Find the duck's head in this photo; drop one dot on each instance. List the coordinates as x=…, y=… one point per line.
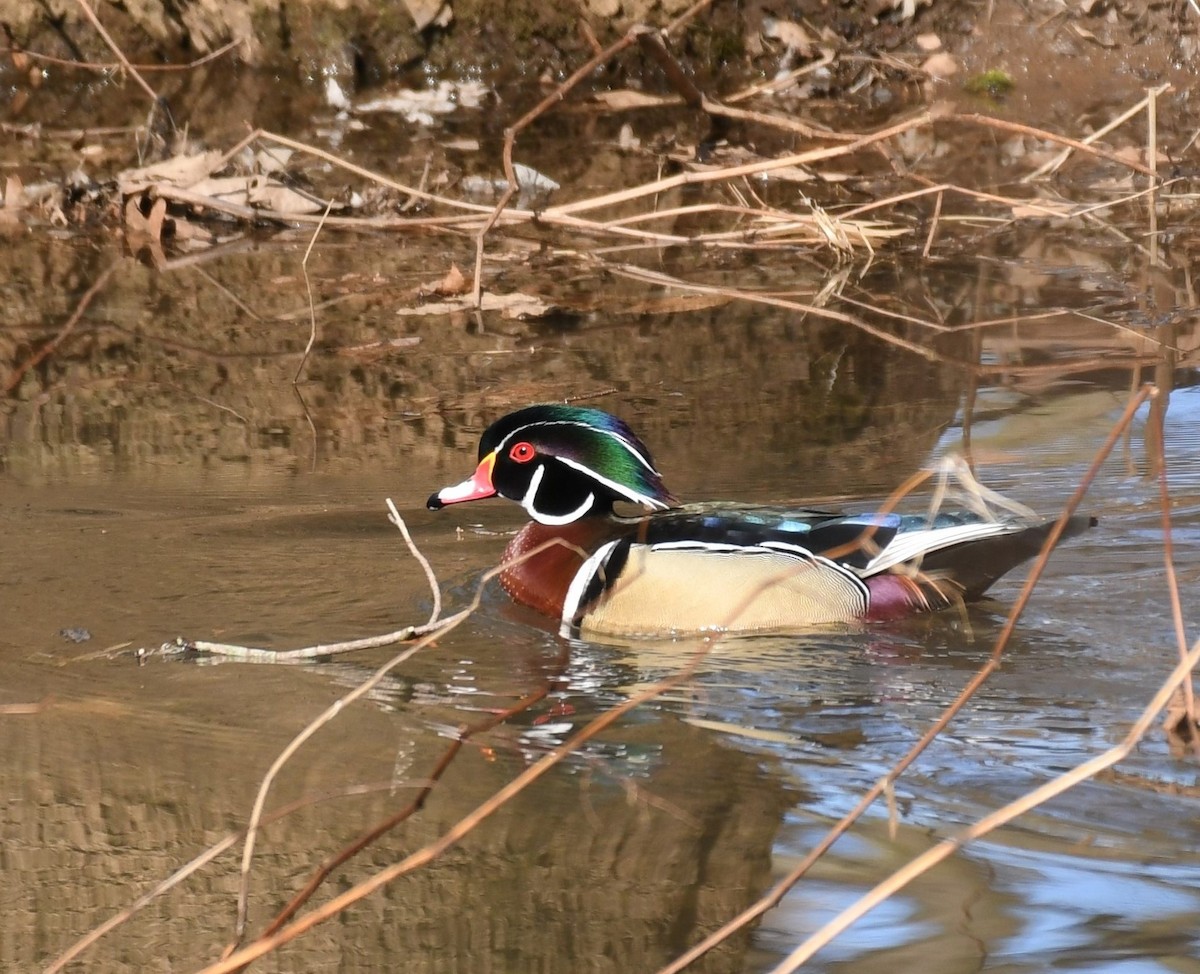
x=560, y=463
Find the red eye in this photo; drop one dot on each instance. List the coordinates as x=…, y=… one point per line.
x=521, y=452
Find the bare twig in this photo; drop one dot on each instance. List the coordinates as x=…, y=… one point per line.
x=455, y=833
x=1054, y=164
x=430, y=633
x=1158, y=417
x=1005, y=125
x=510, y=136
x=132, y=71
x=36, y=359
x=110, y=65
x=382, y=828
x=434, y=588
x=944, y=849
x=312, y=311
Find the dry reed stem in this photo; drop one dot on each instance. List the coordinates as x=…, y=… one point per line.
x=510, y=137
x=780, y=889
x=781, y=122
x=655, y=277
x=107, y=37
x=781, y=82
x=947, y=847
x=659, y=186
x=933, y=226
x=41, y=354
x=110, y=65
x=254, y=654
x=312, y=311
x=977, y=369
x=290, y=749
x=480, y=219
x=1054, y=164
x=350, y=850
x=455, y=833
x=1152, y=150
x=1006, y=126
x=434, y=588
x=1158, y=417
x=432, y=632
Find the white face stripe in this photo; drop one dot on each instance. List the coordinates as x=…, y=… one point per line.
x=571, y=422
x=529, y=502
x=631, y=495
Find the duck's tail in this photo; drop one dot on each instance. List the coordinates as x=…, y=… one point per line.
x=931, y=567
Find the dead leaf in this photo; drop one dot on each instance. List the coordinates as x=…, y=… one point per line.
x=14, y=193
x=134, y=221
x=940, y=66
x=378, y=349
x=140, y=232
x=908, y=8
x=624, y=99
x=429, y=12
x=419, y=107
x=261, y=191
x=182, y=170
x=1087, y=35
x=789, y=174
x=154, y=222
x=335, y=97
x=529, y=180
x=790, y=34
x=515, y=305
x=453, y=283
x=269, y=194
x=673, y=304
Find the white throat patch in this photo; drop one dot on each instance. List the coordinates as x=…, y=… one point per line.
x=529, y=502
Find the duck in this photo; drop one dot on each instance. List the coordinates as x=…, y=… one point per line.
x=717, y=567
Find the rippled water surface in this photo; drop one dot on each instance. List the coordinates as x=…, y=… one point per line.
x=159, y=478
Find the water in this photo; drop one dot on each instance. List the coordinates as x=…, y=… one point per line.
x=160, y=478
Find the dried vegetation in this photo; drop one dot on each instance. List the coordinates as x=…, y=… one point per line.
x=189, y=204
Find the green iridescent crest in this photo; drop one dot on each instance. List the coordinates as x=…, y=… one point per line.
x=591, y=441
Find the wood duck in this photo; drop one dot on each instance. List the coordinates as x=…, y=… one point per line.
x=711, y=567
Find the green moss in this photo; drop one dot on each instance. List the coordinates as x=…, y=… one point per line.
x=992, y=84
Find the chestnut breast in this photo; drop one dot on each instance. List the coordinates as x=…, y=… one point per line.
x=554, y=553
